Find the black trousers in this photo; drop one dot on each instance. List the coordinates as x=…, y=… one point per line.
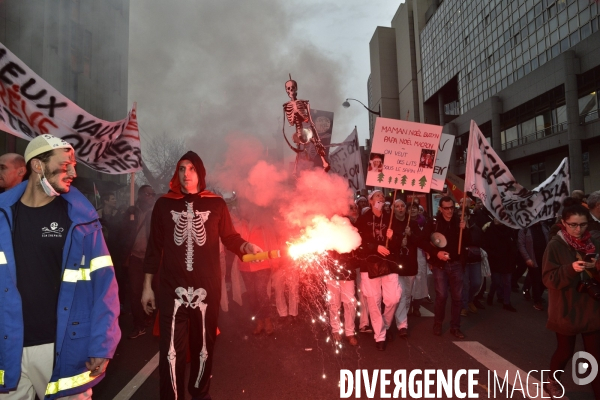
x=135, y=272
x=256, y=286
x=184, y=330
x=518, y=272
x=534, y=276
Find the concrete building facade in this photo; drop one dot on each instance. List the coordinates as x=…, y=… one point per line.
x=81, y=47
x=527, y=72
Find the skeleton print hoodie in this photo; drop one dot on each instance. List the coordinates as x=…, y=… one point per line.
x=185, y=231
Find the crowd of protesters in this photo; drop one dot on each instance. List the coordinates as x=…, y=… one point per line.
x=371, y=291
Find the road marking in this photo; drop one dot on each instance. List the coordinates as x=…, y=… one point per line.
x=494, y=362
x=138, y=380
x=425, y=312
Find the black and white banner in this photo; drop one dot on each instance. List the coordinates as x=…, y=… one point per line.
x=489, y=179
x=29, y=107
x=345, y=161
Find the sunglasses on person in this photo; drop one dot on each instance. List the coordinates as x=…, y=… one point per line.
x=447, y=208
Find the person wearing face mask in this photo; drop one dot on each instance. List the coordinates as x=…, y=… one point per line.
x=60, y=304
x=373, y=229
x=186, y=228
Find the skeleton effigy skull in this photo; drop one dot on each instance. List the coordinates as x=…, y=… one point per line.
x=291, y=88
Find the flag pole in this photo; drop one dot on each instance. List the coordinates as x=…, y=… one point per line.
x=391, y=217
x=132, y=194
x=462, y=216
x=95, y=195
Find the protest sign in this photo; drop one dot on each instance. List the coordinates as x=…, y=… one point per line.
x=489, y=179
x=29, y=107
x=441, y=161
x=403, y=154
x=345, y=161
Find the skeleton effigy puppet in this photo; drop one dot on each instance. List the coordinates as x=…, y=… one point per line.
x=297, y=112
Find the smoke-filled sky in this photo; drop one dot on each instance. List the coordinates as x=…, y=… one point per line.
x=205, y=69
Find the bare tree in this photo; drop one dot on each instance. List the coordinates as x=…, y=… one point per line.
x=161, y=154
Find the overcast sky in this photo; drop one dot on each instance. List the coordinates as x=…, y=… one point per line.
x=343, y=29
x=203, y=69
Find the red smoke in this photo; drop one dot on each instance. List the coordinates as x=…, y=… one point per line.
x=306, y=206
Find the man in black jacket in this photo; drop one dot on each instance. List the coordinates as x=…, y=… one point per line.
x=186, y=226
x=446, y=265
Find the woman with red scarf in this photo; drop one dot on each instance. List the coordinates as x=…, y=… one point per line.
x=571, y=312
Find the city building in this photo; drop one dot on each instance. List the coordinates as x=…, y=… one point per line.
x=80, y=47
x=527, y=72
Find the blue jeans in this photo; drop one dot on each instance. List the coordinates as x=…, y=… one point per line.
x=471, y=282
x=448, y=279
x=501, y=283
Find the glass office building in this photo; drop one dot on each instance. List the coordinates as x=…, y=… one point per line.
x=526, y=71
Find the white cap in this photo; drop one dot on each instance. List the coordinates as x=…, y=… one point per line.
x=373, y=192
x=42, y=144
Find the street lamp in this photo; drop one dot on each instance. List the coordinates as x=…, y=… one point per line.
x=346, y=104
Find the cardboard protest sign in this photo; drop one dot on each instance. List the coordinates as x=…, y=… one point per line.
x=345, y=161
x=29, y=107
x=441, y=161
x=488, y=178
x=403, y=155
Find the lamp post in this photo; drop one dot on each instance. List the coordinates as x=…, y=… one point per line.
x=346, y=104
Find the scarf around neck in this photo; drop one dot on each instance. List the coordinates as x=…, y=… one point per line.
x=583, y=244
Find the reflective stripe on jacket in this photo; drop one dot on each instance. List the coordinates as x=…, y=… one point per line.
x=88, y=304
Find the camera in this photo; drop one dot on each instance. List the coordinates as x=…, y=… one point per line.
x=591, y=287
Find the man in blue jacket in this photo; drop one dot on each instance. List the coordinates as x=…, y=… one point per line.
x=58, y=294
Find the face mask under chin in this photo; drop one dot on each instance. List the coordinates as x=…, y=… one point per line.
x=48, y=189
x=378, y=205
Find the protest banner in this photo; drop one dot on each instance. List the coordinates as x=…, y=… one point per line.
x=345, y=161
x=489, y=179
x=29, y=107
x=403, y=154
x=441, y=161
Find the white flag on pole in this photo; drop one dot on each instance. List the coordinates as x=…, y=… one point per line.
x=345, y=161
x=488, y=178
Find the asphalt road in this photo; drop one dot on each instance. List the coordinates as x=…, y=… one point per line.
x=298, y=363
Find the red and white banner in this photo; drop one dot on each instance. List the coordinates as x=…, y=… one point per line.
x=29, y=107
x=488, y=178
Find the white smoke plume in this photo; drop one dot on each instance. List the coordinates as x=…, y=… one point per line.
x=205, y=69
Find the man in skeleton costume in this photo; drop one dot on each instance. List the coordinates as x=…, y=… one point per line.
x=186, y=226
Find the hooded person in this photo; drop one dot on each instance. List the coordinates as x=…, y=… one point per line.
x=185, y=228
